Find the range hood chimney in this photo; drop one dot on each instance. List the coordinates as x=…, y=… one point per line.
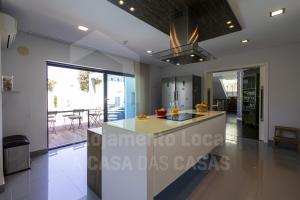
x=184, y=30
x=184, y=39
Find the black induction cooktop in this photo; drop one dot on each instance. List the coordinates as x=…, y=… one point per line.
x=181, y=117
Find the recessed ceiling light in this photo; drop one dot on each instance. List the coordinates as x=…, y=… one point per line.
x=168, y=60
x=83, y=28
x=177, y=64
x=229, y=22
x=149, y=52
x=231, y=26
x=201, y=59
x=277, y=12
x=245, y=41
x=121, y=2
x=192, y=55
x=132, y=9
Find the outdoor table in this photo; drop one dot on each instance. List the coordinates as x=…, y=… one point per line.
x=78, y=110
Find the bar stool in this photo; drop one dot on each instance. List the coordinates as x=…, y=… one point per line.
x=278, y=137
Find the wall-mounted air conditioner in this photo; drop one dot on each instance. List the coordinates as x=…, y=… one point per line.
x=8, y=30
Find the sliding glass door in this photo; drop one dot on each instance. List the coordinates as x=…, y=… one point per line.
x=120, y=97
x=130, y=103
x=81, y=97
x=75, y=103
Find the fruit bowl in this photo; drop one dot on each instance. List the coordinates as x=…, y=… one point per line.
x=203, y=107
x=142, y=117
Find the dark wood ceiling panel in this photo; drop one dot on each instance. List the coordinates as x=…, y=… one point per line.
x=211, y=15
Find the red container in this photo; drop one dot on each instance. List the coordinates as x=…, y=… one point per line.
x=161, y=112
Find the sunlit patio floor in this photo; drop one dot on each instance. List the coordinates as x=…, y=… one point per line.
x=64, y=135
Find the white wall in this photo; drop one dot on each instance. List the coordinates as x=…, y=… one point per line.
x=284, y=79
x=24, y=112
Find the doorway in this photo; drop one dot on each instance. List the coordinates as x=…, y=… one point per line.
x=80, y=98
x=237, y=93
x=243, y=93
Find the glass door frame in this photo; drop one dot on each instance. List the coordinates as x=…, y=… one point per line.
x=105, y=74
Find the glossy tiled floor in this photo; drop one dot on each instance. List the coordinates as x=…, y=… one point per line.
x=60, y=175
x=235, y=129
x=256, y=172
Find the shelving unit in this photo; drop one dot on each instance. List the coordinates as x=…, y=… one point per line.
x=251, y=98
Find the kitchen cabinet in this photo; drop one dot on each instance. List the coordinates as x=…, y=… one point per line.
x=94, y=156
x=138, y=171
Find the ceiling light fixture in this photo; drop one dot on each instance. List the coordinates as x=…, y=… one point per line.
x=132, y=9
x=231, y=26
x=149, y=52
x=121, y=2
x=83, y=28
x=277, y=12
x=245, y=41
x=229, y=22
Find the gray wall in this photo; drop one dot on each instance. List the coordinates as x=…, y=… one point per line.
x=24, y=112
x=284, y=70
x=155, y=89
x=1, y=126
x=142, y=84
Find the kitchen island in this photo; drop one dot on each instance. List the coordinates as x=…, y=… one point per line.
x=140, y=158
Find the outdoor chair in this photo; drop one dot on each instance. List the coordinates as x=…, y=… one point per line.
x=73, y=118
x=66, y=117
x=95, y=117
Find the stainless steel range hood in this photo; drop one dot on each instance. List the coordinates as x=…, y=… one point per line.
x=184, y=39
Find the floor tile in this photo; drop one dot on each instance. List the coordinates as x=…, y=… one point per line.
x=58, y=175
x=257, y=171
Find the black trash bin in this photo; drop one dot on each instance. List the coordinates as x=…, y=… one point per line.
x=16, y=154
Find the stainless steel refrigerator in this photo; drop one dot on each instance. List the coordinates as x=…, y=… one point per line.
x=183, y=91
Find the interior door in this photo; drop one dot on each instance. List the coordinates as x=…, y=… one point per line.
x=263, y=106
x=264, y=93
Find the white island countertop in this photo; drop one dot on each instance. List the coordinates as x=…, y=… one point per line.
x=156, y=126
x=156, y=152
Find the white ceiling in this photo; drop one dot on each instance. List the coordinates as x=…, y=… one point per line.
x=110, y=26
